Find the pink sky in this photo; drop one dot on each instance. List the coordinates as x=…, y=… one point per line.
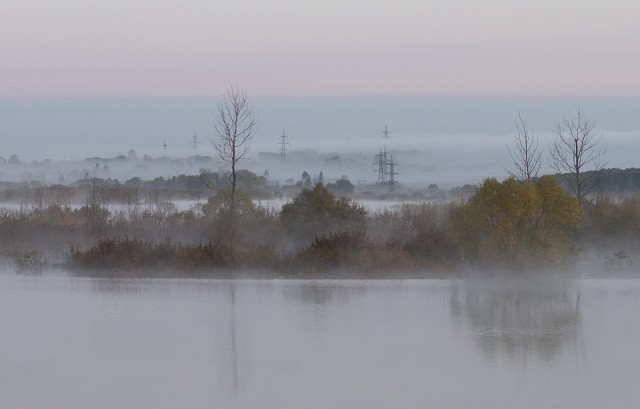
x=288, y=47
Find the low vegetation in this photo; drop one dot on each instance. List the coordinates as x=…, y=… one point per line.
x=523, y=223
x=514, y=225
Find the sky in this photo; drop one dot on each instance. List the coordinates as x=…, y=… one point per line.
x=454, y=48
x=85, y=78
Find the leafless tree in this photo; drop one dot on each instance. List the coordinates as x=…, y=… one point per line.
x=95, y=202
x=234, y=127
x=526, y=155
x=576, y=151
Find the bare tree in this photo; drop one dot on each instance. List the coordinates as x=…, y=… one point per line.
x=234, y=127
x=526, y=155
x=575, y=151
x=95, y=202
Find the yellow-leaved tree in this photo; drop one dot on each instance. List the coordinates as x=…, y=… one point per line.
x=518, y=223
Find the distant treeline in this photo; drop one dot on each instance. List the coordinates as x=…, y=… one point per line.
x=617, y=181
x=113, y=191
x=189, y=187
x=611, y=181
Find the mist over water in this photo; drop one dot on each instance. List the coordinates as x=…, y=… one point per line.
x=75, y=343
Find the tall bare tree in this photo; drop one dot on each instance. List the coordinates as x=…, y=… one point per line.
x=526, y=154
x=576, y=151
x=234, y=126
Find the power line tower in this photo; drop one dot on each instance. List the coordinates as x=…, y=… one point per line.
x=164, y=145
x=283, y=147
x=194, y=141
x=386, y=132
x=381, y=164
x=392, y=172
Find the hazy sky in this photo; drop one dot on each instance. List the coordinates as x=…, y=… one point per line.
x=448, y=76
x=330, y=47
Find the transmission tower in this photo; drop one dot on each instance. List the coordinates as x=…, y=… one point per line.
x=386, y=132
x=194, y=141
x=164, y=145
x=381, y=163
x=392, y=172
x=283, y=147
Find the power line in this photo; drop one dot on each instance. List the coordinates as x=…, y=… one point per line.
x=386, y=169
x=283, y=147
x=392, y=180
x=381, y=163
x=194, y=141
x=386, y=132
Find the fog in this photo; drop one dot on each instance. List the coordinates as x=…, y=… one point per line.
x=75, y=342
x=465, y=335
x=416, y=167
x=445, y=141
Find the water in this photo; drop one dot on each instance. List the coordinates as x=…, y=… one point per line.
x=78, y=343
x=371, y=205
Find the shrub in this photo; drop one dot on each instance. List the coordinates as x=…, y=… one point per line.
x=127, y=254
x=29, y=261
x=353, y=252
x=316, y=212
x=520, y=223
x=338, y=249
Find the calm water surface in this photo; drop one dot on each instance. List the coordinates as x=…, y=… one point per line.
x=94, y=343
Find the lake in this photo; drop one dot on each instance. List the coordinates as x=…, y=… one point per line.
x=169, y=343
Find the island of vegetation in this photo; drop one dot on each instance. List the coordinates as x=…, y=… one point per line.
x=135, y=229
x=101, y=227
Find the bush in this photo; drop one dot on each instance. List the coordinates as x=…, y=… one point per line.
x=316, y=212
x=335, y=250
x=353, y=251
x=518, y=223
x=29, y=261
x=127, y=254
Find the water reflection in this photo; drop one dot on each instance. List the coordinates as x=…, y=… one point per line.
x=519, y=320
x=323, y=294
x=233, y=337
x=72, y=342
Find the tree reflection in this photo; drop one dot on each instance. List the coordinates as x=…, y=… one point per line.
x=520, y=320
x=321, y=294
x=233, y=337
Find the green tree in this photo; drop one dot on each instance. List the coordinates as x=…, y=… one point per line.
x=520, y=223
x=315, y=212
x=341, y=187
x=306, y=179
x=219, y=203
x=253, y=225
x=610, y=223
